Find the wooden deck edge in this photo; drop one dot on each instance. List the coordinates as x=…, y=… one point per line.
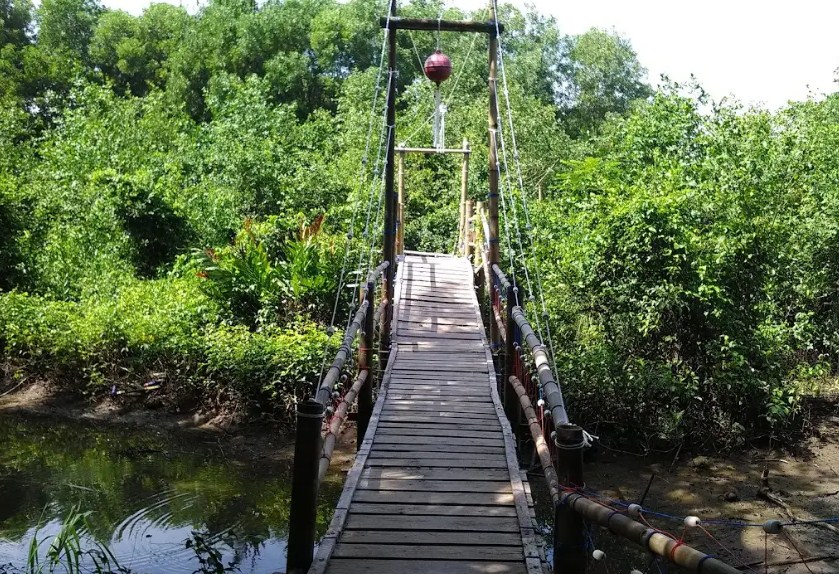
x=327, y=544
x=531, y=543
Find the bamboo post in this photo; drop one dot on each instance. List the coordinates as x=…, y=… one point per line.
x=464, y=188
x=468, y=233
x=389, y=241
x=570, y=555
x=400, y=201
x=511, y=402
x=365, y=362
x=304, y=487
x=492, y=240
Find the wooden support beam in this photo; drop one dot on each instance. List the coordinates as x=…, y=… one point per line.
x=434, y=150
x=432, y=25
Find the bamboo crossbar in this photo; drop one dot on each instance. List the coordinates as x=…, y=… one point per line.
x=552, y=392
x=538, y=440
x=617, y=523
x=432, y=150
x=434, y=25
x=652, y=540
x=331, y=436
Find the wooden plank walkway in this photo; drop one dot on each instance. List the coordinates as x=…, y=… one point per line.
x=436, y=486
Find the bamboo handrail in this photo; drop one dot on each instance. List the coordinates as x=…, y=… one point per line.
x=552, y=392
x=538, y=440
x=324, y=394
x=335, y=424
x=503, y=282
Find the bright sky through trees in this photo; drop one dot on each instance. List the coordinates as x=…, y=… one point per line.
x=766, y=52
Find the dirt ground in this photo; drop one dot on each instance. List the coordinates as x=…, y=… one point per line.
x=801, y=484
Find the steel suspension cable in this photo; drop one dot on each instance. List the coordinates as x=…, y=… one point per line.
x=529, y=226
x=354, y=214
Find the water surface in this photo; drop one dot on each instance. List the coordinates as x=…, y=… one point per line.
x=152, y=494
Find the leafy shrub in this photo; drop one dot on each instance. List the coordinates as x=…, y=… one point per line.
x=689, y=281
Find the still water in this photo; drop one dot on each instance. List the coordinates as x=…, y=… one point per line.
x=152, y=495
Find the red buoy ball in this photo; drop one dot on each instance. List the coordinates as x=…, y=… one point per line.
x=438, y=67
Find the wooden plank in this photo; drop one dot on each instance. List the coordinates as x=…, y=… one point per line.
x=452, y=458
x=427, y=334
x=418, y=537
x=373, y=566
x=486, y=426
x=415, y=551
x=439, y=448
x=476, y=393
x=453, y=388
x=436, y=474
x=482, y=486
x=413, y=510
x=441, y=379
x=409, y=418
x=408, y=439
x=452, y=429
x=373, y=462
x=426, y=321
x=441, y=382
x=406, y=415
x=466, y=399
x=482, y=499
x=420, y=366
x=485, y=435
x=456, y=523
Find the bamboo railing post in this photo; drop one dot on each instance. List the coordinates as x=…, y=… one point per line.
x=400, y=202
x=464, y=188
x=468, y=231
x=570, y=555
x=512, y=405
x=304, y=487
x=365, y=356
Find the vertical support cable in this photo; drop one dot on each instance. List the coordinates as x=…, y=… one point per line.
x=493, y=163
x=389, y=235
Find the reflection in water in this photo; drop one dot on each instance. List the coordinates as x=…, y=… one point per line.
x=147, y=492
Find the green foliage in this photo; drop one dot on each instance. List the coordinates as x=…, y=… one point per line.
x=134, y=51
x=690, y=279
x=65, y=552
x=176, y=191
x=600, y=75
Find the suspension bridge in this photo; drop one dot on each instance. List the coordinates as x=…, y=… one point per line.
x=453, y=386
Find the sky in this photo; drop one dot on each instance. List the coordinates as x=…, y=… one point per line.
x=761, y=52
